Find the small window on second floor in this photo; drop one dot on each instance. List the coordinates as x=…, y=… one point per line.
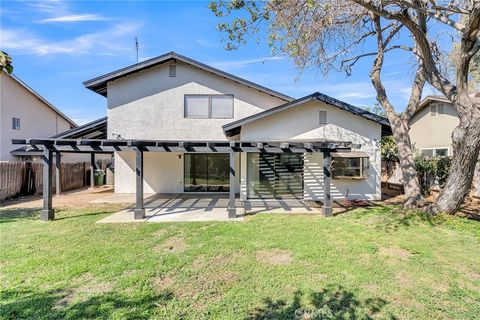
x=16, y=123
x=208, y=106
x=172, y=71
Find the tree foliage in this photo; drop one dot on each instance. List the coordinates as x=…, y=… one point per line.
x=388, y=148
x=5, y=63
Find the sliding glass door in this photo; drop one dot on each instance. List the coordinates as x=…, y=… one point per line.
x=275, y=175
x=206, y=172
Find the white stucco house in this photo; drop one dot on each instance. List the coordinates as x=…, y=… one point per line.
x=178, y=126
x=23, y=114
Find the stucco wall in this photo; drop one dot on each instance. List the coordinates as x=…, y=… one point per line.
x=303, y=123
x=150, y=104
x=163, y=172
x=37, y=120
x=427, y=131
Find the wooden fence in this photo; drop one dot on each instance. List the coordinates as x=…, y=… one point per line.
x=26, y=178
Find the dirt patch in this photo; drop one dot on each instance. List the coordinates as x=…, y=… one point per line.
x=162, y=283
x=83, y=291
x=202, y=261
x=275, y=257
x=160, y=232
x=173, y=245
x=394, y=252
x=403, y=279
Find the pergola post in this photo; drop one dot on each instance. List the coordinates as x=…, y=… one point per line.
x=232, y=211
x=58, y=172
x=139, y=212
x=327, y=197
x=93, y=166
x=47, y=213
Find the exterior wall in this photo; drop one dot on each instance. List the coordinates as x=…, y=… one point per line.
x=163, y=172
x=427, y=131
x=150, y=104
x=342, y=126
x=36, y=118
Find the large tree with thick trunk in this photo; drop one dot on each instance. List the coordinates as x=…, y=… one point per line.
x=330, y=34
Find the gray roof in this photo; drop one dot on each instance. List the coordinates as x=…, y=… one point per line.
x=96, y=129
x=233, y=128
x=42, y=99
x=99, y=84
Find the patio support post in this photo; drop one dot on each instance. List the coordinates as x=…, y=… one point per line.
x=327, y=198
x=232, y=211
x=47, y=213
x=139, y=212
x=58, y=172
x=92, y=168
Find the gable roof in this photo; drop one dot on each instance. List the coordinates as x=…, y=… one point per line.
x=233, y=128
x=42, y=99
x=96, y=129
x=99, y=84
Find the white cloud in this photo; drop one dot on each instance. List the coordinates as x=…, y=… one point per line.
x=241, y=63
x=112, y=41
x=74, y=18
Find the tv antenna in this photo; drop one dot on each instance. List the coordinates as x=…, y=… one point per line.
x=136, y=46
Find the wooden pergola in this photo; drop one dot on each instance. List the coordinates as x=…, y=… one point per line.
x=93, y=146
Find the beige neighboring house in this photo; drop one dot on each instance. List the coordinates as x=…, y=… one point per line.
x=24, y=113
x=431, y=130
x=432, y=126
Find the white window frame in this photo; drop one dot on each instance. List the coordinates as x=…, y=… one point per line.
x=209, y=116
x=364, y=169
x=434, y=152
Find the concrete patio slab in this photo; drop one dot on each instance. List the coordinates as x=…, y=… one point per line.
x=200, y=207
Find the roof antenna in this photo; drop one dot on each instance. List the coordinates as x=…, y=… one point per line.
x=136, y=46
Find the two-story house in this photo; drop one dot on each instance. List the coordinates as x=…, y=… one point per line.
x=177, y=126
x=24, y=113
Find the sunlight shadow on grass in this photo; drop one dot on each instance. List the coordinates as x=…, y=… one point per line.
x=12, y=215
x=17, y=304
x=333, y=302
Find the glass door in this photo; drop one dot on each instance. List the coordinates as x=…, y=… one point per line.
x=274, y=175
x=206, y=172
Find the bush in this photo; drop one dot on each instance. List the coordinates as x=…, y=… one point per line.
x=432, y=170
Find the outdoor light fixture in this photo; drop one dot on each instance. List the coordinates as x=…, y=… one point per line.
x=179, y=157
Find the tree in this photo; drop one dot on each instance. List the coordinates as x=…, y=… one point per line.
x=5, y=63
x=330, y=34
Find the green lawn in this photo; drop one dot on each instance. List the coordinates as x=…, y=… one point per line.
x=368, y=263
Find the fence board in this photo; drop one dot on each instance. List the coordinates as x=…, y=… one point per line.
x=24, y=178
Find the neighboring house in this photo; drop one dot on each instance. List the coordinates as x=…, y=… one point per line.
x=431, y=130
x=432, y=125
x=173, y=98
x=23, y=114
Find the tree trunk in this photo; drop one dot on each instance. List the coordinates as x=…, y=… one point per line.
x=411, y=184
x=466, y=147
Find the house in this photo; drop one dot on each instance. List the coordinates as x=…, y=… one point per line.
x=432, y=125
x=431, y=130
x=177, y=126
x=24, y=113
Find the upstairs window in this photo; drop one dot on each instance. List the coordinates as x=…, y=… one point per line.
x=16, y=123
x=437, y=109
x=350, y=165
x=208, y=106
x=322, y=117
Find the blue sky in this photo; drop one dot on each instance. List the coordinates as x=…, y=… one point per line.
x=56, y=45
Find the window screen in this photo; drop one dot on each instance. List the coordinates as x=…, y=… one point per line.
x=323, y=117
x=209, y=106
x=196, y=106
x=172, y=70
x=427, y=152
x=222, y=107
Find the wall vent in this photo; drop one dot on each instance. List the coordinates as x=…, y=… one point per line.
x=322, y=117
x=172, y=70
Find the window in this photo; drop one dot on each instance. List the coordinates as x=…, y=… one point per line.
x=16, y=123
x=209, y=106
x=435, y=110
x=322, y=117
x=434, y=152
x=350, y=165
x=172, y=71
x=207, y=172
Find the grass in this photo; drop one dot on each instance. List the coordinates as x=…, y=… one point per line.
x=369, y=263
